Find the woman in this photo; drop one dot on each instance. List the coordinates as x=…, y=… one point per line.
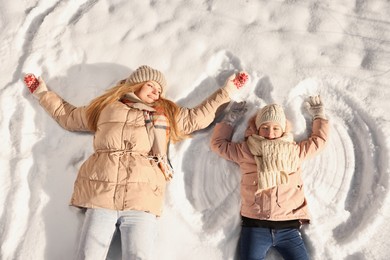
x=273, y=204
x=123, y=182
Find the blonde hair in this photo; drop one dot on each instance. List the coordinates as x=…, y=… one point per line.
x=171, y=110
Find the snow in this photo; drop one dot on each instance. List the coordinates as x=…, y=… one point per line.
x=291, y=49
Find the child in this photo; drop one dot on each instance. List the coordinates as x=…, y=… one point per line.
x=123, y=182
x=273, y=205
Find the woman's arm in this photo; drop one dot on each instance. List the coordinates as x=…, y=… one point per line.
x=190, y=120
x=68, y=116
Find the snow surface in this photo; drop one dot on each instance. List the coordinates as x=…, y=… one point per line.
x=291, y=49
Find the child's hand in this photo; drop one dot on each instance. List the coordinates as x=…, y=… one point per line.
x=36, y=86
x=236, y=111
x=315, y=107
x=235, y=82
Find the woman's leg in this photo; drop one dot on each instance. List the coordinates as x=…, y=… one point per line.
x=254, y=243
x=289, y=243
x=96, y=235
x=138, y=233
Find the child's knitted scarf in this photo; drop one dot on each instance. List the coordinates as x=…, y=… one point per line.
x=275, y=159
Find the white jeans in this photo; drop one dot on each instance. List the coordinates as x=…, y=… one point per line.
x=138, y=231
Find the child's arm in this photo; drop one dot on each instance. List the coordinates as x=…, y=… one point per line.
x=236, y=111
x=251, y=129
x=223, y=132
x=315, y=107
x=320, y=128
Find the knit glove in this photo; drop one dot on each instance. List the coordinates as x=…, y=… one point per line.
x=36, y=86
x=315, y=107
x=236, y=111
x=235, y=82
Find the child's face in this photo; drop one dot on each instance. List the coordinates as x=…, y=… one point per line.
x=149, y=92
x=270, y=130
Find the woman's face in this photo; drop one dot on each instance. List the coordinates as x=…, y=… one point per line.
x=270, y=130
x=149, y=92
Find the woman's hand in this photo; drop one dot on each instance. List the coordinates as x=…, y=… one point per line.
x=235, y=82
x=36, y=86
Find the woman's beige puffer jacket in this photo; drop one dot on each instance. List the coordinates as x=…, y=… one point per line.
x=119, y=175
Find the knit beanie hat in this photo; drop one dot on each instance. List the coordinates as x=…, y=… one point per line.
x=271, y=113
x=145, y=73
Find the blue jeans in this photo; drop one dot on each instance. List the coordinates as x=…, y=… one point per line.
x=138, y=231
x=256, y=241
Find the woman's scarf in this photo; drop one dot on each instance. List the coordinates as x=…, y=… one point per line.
x=275, y=159
x=157, y=126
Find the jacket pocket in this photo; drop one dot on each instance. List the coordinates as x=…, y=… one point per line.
x=248, y=188
x=290, y=197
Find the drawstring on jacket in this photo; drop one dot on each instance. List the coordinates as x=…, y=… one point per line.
x=164, y=164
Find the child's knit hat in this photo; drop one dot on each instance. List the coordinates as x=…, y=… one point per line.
x=145, y=73
x=271, y=113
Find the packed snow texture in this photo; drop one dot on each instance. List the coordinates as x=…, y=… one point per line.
x=291, y=49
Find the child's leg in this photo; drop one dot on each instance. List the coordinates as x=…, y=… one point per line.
x=254, y=243
x=289, y=243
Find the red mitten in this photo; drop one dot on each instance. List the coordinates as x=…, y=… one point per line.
x=35, y=85
x=31, y=82
x=235, y=82
x=240, y=79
